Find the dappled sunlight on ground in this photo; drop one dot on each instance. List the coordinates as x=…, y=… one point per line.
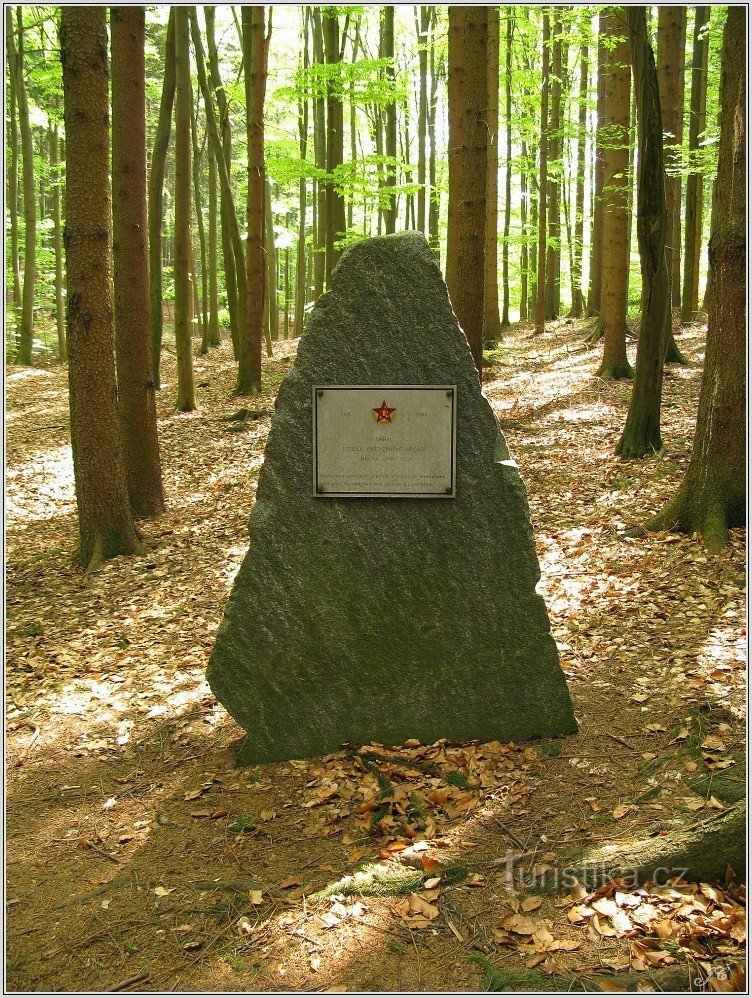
x=140, y=848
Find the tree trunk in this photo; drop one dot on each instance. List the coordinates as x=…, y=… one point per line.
x=137, y=411
x=186, y=399
x=596, y=238
x=540, y=290
x=202, y=305
x=468, y=99
x=270, y=271
x=616, y=187
x=672, y=23
x=642, y=433
x=578, y=300
x=434, y=194
x=255, y=45
x=106, y=528
x=234, y=257
x=525, y=248
x=553, y=250
x=57, y=242
x=712, y=497
x=319, y=152
x=676, y=224
x=390, y=115
x=212, y=252
x=491, y=321
x=15, y=63
x=693, y=206
x=300, y=262
x=508, y=167
x=156, y=191
x=424, y=21
x=335, y=203
x=13, y=143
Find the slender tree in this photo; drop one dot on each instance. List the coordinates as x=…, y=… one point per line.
x=201, y=301
x=390, y=122
x=319, y=151
x=509, y=21
x=300, y=280
x=336, y=223
x=616, y=187
x=423, y=22
x=13, y=145
x=712, y=496
x=693, y=208
x=468, y=32
x=642, y=432
x=491, y=321
x=553, y=249
x=578, y=300
x=596, y=238
x=671, y=33
x=434, y=195
x=156, y=195
x=15, y=44
x=255, y=45
x=186, y=397
x=106, y=528
x=540, y=293
x=212, y=250
x=137, y=412
x=57, y=241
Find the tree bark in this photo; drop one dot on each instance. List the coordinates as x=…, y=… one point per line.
x=137, y=411
x=271, y=284
x=524, y=237
x=642, y=432
x=578, y=300
x=553, y=249
x=434, y=194
x=491, y=321
x=508, y=168
x=468, y=46
x=672, y=23
x=423, y=25
x=106, y=528
x=300, y=259
x=156, y=192
x=13, y=143
x=319, y=152
x=712, y=496
x=57, y=242
x=540, y=291
x=693, y=207
x=616, y=187
x=255, y=45
x=390, y=123
x=202, y=301
x=212, y=252
x=186, y=398
x=15, y=63
x=596, y=238
x=336, y=224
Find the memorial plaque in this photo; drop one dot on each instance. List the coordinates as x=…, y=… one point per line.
x=380, y=441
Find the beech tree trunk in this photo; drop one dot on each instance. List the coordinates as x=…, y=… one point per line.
x=434, y=194
x=13, y=144
x=137, y=411
x=319, y=150
x=491, y=321
x=693, y=207
x=508, y=166
x=106, y=528
x=596, y=238
x=201, y=300
x=390, y=122
x=671, y=32
x=616, y=191
x=336, y=223
x=712, y=497
x=553, y=210
x=578, y=300
x=525, y=248
x=270, y=272
x=468, y=46
x=186, y=397
x=300, y=263
x=642, y=432
x=57, y=242
x=156, y=193
x=540, y=287
x=212, y=252
x=15, y=64
x=423, y=24
x=254, y=62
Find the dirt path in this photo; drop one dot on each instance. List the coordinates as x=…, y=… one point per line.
x=136, y=851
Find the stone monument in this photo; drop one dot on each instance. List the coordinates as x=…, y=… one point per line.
x=389, y=589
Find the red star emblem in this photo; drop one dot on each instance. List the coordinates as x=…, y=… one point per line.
x=383, y=413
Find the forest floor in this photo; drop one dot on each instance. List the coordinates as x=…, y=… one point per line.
x=138, y=858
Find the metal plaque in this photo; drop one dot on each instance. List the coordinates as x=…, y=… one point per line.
x=395, y=441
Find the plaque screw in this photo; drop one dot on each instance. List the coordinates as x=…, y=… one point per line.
x=319, y=488
x=320, y=392
x=449, y=394
x=448, y=490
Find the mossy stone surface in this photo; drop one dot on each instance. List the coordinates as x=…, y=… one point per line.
x=360, y=620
